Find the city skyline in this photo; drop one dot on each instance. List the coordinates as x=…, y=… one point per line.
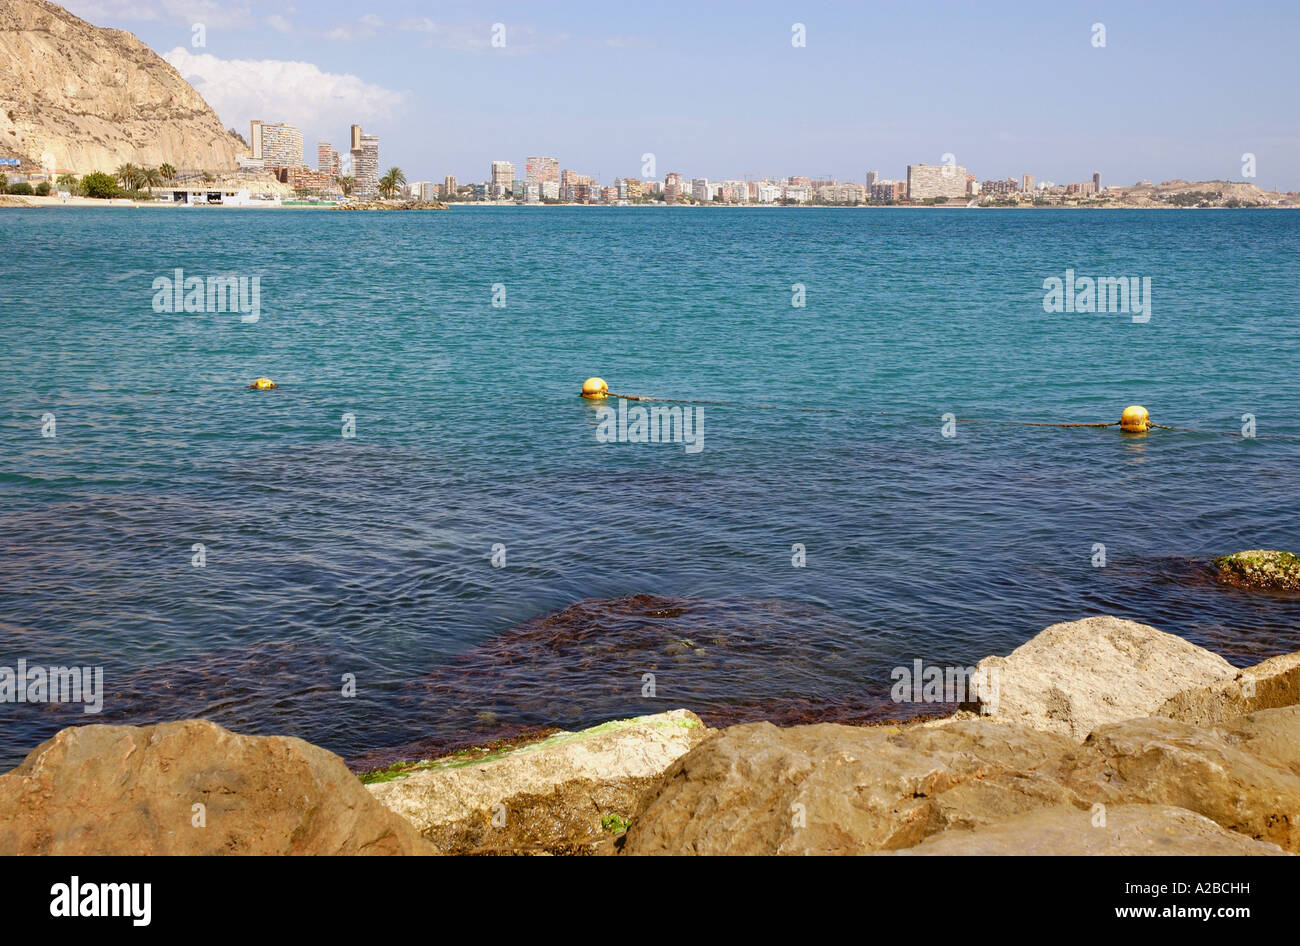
x=734, y=96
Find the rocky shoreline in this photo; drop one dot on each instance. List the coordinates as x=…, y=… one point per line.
x=393, y=205
x=1098, y=736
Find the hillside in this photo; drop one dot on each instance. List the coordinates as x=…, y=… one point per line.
x=96, y=98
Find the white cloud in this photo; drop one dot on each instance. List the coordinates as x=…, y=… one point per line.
x=279, y=23
x=319, y=103
x=420, y=24
x=366, y=27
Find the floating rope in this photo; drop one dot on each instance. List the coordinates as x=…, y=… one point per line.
x=761, y=407
x=1135, y=418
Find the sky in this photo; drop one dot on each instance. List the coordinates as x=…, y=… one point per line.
x=721, y=90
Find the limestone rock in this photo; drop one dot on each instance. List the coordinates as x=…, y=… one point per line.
x=832, y=789
x=1243, y=774
x=95, y=790
x=1268, y=685
x=1071, y=678
x=1143, y=830
x=94, y=98
x=566, y=794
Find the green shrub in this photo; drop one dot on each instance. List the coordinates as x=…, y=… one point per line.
x=43, y=189
x=22, y=188
x=100, y=185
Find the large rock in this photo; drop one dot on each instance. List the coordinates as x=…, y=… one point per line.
x=565, y=794
x=133, y=790
x=1243, y=774
x=1141, y=830
x=1260, y=569
x=1071, y=678
x=1268, y=685
x=92, y=99
x=832, y=789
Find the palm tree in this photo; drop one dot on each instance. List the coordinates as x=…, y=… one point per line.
x=391, y=182
x=150, y=177
x=127, y=175
x=168, y=172
x=346, y=183
x=69, y=183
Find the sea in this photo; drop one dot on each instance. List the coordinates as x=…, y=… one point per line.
x=423, y=538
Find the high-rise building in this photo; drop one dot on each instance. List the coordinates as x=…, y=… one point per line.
x=1096, y=182
x=872, y=176
x=701, y=191
x=1027, y=183
x=502, y=180
x=449, y=186
x=935, y=180
x=276, y=143
x=327, y=160
x=503, y=173
x=538, y=170
x=365, y=162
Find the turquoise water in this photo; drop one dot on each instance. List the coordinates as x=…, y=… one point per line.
x=372, y=555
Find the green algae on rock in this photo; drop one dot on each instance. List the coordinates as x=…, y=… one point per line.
x=1264, y=569
x=568, y=793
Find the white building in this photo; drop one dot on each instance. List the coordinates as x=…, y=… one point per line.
x=277, y=144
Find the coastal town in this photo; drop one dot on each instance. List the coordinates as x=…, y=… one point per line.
x=275, y=172
x=323, y=534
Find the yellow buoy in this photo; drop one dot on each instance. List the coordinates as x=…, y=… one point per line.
x=262, y=384
x=595, y=388
x=1135, y=419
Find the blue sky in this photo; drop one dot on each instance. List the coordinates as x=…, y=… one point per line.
x=718, y=90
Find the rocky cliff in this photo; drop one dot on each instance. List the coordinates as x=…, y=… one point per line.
x=92, y=99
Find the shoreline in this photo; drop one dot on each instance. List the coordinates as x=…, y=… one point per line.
x=19, y=202
x=1100, y=717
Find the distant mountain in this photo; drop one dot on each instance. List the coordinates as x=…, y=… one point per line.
x=96, y=98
